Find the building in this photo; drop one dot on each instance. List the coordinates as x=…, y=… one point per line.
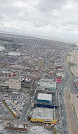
x=17, y=67
x=14, y=53
x=16, y=128
x=26, y=83
x=44, y=98
x=39, y=62
x=4, y=87
x=58, y=66
x=38, y=130
x=76, y=82
x=60, y=75
x=15, y=83
x=44, y=115
x=47, y=83
x=45, y=94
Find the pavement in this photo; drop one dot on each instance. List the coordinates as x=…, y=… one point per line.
x=28, y=105
x=61, y=88
x=70, y=113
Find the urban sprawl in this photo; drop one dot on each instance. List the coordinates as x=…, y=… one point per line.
x=33, y=79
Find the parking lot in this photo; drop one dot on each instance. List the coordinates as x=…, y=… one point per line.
x=13, y=103
x=4, y=112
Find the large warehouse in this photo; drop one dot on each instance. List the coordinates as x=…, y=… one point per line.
x=44, y=115
x=47, y=84
x=45, y=98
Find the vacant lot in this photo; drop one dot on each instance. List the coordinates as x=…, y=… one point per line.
x=74, y=102
x=72, y=60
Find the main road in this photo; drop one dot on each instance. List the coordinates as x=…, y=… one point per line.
x=66, y=83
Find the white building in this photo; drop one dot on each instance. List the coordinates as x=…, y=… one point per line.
x=45, y=98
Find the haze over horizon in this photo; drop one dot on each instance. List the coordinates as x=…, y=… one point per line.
x=45, y=18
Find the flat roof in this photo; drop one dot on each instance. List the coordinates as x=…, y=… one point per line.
x=38, y=130
x=44, y=96
x=43, y=113
x=47, y=84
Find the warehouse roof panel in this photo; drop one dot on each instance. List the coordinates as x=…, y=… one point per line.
x=44, y=96
x=43, y=113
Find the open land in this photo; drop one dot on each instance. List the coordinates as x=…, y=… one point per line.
x=71, y=94
x=73, y=58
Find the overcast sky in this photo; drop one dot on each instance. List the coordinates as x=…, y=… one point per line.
x=51, y=18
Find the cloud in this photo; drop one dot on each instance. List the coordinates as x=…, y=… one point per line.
x=53, y=18
x=48, y=5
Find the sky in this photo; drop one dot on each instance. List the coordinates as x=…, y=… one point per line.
x=56, y=19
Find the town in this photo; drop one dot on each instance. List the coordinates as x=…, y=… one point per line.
x=33, y=77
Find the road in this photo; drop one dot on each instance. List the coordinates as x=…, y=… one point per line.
x=71, y=113
x=28, y=104
x=61, y=88
x=66, y=86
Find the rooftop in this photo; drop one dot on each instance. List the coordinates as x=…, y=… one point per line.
x=44, y=96
x=38, y=130
x=14, y=53
x=43, y=113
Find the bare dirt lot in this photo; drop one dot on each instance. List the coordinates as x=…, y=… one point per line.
x=71, y=100
x=70, y=107
x=74, y=102
x=73, y=58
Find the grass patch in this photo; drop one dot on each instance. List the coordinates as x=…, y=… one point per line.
x=68, y=54
x=71, y=64
x=73, y=107
x=54, y=131
x=69, y=96
x=70, y=70
x=11, y=45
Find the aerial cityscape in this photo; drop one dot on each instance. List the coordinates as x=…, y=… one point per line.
x=38, y=67
x=38, y=86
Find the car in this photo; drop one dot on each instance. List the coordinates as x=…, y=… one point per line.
x=18, y=117
x=6, y=112
x=23, y=104
x=59, y=127
x=21, y=109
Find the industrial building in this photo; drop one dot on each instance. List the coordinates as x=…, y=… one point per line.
x=14, y=53
x=44, y=98
x=45, y=94
x=47, y=83
x=16, y=128
x=26, y=83
x=44, y=115
x=17, y=67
